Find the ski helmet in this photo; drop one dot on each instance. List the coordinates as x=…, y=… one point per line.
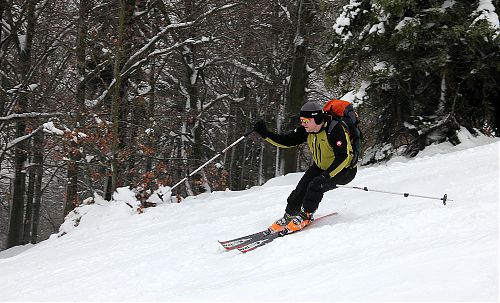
x=313, y=110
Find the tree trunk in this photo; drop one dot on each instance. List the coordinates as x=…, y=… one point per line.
x=298, y=79
x=17, y=212
x=29, y=205
x=120, y=87
x=150, y=112
x=38, y=162
x=3, y=97
x=71, y=186
x=193, y=102
x=74, y=154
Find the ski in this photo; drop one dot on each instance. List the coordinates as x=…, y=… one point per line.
x=234, y=243
x=249, y=246
x=266, y=239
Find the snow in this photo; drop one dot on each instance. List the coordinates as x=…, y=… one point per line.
x=33, y=86
x=447, y=5
x=356, y=96
x=22, y=42
x=250, y=70
x=486, y=11
x=405, y=22
x=379, y=248
x=50, y=128
x=285, y=11
x=299, y=40
x=343, y=21
x=380, y=66
x=18, y=140
x=378, y=28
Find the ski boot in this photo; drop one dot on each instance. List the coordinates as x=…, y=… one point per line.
x=299, y=221
x=280, y=224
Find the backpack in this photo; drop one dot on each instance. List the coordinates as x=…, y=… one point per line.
x=343, y=112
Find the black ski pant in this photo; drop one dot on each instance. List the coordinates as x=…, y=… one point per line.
x=309, y=191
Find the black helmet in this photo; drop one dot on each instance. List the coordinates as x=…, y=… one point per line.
x=313, y=110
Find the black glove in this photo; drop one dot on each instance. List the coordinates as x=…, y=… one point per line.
x=261, y=129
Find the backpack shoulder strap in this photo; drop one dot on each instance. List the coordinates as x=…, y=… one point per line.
x=336, y=121
x=331, y=125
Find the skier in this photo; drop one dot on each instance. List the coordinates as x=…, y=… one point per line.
x=332, y=153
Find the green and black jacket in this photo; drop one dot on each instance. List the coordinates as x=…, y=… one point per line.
x=330, y=147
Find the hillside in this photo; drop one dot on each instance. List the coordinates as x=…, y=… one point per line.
x=379, y=247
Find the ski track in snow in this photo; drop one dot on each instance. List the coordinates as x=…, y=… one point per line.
x=380, y=247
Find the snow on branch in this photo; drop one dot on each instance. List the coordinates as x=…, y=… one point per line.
x=137, y=56
x=46, y=127
x=22, y=138
x=217, y=99
x=251, y=70
x=344, y=21
x=146, y=52
x=486, y=11
x=28, y=115
x=131, y=65
x=51, y=129
x=141, y=53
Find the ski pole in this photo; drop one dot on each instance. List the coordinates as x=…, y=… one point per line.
x=213, y=158
x=444, y=198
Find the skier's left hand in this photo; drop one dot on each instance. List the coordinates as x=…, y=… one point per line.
x=260, y=128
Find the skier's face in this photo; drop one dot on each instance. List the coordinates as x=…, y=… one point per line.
x=310, y=125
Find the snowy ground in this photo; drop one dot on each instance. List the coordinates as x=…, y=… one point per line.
x=379, y=248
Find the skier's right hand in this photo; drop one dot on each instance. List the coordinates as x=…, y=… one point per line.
x=260, y=128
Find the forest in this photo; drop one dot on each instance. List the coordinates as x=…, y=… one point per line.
x=101, y=94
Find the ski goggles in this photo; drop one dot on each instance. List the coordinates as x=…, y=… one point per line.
x=305, y=120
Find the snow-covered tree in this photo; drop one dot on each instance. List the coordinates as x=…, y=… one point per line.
x=426, y=67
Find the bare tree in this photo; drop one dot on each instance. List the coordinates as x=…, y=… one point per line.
x=74, y=148
x=23, y=44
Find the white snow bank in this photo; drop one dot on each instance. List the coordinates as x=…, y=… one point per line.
x=379, y=248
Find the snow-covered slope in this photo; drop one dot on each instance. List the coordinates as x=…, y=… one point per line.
x=379, y=247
